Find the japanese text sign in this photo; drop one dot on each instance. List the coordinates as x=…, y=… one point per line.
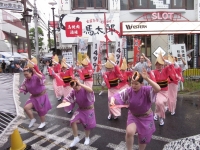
x=73, y=29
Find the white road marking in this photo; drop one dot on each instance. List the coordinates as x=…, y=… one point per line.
x=154, y=137
x=121, y=146
x=55, y=140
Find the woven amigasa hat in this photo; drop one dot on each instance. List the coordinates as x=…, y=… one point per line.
x=124, y=65
x=55, y=59
x=108, y=64
x=85, y=61
x=171, y=59
x=159, y=59
x=30, y=65
x=63, y=63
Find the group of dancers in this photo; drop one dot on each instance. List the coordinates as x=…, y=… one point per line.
x=146, y=86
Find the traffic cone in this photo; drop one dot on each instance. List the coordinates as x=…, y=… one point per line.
x=16, y=141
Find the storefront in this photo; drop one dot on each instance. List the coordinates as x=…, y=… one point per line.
x=161, y=29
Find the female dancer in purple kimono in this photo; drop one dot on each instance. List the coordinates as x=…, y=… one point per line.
x=34, y=84
x=140, y=115
x=84, y=96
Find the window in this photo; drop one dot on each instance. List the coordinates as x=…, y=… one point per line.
x=124, y=5
x=189, y=4
x=84, y=4
x=158, y=4
x=178, y=4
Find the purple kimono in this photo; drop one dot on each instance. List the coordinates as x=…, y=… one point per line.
x=39, y=98
x=139, y=103
x=85, y=113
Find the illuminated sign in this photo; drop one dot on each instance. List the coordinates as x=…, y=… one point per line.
x=136, y=28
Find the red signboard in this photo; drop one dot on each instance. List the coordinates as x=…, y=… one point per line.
x=73, y=29
x=51, y=24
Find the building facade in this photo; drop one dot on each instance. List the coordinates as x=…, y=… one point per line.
x=156, y=23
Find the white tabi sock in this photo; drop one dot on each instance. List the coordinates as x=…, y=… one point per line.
x=32, y=122
x=87, y=141
x=75, y=141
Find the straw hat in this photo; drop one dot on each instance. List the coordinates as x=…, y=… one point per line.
x=55, y=59
x=63, y=63
x=85, y=61
x=159, y=59
x=111, y=57
x=30, y=65
x=171, y=58
x=124, y=65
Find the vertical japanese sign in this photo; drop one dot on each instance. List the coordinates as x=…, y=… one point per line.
x=68, y=56
x=170, y=42
x=118, y=51
x=136, y=50
x=73, y=29
x=95, y=52
x=195, y=50
x=198, y=10
x=83, y=45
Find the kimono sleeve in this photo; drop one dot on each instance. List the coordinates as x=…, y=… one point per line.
x=90, y=96
x=122, y=97
x=23, y=88
x=152, y=94
x=39, y=80
x=70, y=97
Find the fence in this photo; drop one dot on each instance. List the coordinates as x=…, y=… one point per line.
x=192, y=74
x=97, y=79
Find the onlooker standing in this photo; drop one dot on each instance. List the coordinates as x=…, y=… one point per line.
x=3, y=66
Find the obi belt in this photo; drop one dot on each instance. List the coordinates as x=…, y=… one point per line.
x=67, y=79
x=114, y=82
x=87, y=76
x=163, y=84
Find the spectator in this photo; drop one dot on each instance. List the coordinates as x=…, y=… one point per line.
x=3, y=66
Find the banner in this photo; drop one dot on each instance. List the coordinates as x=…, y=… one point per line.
x=83, y=45
x=100, y=56
x=136, y=50
x=118, y=50
x=95, y=54
x=123, y=53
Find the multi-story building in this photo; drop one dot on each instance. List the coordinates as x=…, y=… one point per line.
x=157, y=23
x=12, y=33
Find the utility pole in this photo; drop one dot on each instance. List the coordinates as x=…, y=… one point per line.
x=36, y=33
x=11, y=43
x=54, y=30
x=49, y=36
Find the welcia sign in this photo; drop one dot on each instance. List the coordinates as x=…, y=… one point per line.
x=11, y=5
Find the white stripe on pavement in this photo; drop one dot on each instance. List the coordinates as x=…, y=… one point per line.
x=159, y=138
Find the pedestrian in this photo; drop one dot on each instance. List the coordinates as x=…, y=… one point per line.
x=112, y=77
x=140, y=116
x=144, y=63
x=161, y=75
x=34, y=84
x=86, y=72
x=84, y=96
x=3, y=66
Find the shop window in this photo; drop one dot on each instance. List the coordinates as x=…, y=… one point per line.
x=124, y=5
x=178, y=4
x=92, y=4
x=161, y=4
x=189, y=4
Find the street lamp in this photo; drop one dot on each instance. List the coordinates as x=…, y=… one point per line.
x=54, y=30
x=25, y=20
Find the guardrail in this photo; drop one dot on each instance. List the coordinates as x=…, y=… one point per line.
x=192, y=74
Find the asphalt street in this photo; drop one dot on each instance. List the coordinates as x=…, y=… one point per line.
x=108, y=134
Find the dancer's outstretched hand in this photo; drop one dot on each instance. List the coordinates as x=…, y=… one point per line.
x=144, y=73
